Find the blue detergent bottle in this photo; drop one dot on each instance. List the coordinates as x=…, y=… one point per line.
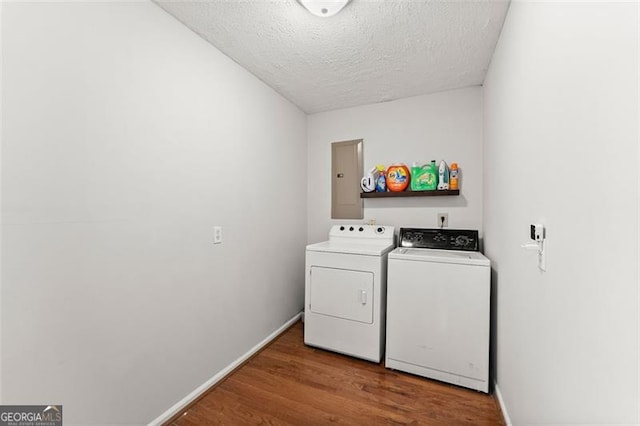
x=381, y=180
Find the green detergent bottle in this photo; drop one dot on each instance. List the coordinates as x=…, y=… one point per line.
x=432, y=180
x=418, y=177
x=424, y=177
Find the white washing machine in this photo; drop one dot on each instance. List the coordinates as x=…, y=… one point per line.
x=345, y=288
x=438, y=307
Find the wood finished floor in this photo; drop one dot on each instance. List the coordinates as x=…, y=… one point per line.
x=289, y=383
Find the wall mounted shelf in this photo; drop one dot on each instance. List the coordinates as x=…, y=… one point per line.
x=409, y=194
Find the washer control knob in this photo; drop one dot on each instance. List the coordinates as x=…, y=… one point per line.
x=380, y=230
x=351, y=228
x=361, y=229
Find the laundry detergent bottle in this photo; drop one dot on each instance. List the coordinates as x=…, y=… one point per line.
x=419, y=177
x=368, y=182
x=381, y=179
x=431, y=180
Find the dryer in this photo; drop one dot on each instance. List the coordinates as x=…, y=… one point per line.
x=345, y=289
x=438, y=307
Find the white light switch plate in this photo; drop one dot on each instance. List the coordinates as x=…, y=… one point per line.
x=217, y=235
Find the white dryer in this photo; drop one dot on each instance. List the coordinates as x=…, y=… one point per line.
x=345, y=288
x=438, y=307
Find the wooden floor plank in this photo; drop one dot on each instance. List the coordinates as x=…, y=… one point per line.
x=289, y=383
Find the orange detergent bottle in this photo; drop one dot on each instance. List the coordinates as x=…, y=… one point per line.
x=454, y=178
x=398, y=177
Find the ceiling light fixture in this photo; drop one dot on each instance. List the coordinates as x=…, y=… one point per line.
x=324, y=8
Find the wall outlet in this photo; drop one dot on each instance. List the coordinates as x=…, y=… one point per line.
x=537, y=232
x=217, y=235
x=443, y=220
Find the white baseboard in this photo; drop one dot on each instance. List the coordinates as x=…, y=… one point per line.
x=181, y=405
x=503, y=407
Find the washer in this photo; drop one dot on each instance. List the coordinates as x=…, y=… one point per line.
x=345, y=288
x=438, y=307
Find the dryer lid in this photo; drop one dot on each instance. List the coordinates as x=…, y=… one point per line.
x=351, y=248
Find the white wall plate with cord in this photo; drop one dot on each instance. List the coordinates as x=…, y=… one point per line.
x=443, y=220
x=537, y=233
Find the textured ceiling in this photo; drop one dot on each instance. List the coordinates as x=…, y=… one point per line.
x=372, y=51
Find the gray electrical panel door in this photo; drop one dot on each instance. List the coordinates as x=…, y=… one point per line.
x=346, y=173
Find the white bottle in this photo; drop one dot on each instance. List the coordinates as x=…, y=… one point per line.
x=443, y=176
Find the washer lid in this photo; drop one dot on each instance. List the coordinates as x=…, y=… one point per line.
x=440, y=256
x=351, y=248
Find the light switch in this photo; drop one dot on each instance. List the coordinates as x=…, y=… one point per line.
x=217, y=235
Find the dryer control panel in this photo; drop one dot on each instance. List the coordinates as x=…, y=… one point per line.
x=366, y=234
x=443, y=239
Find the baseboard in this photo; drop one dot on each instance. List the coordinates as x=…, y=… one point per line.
x=503, y=407
x=181, y=405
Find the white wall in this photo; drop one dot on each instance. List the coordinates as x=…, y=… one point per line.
x=561, y=144
x=1, y=131
x=446, y=125
x=125, y=139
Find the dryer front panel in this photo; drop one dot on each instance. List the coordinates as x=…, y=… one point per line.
x=341, y=293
